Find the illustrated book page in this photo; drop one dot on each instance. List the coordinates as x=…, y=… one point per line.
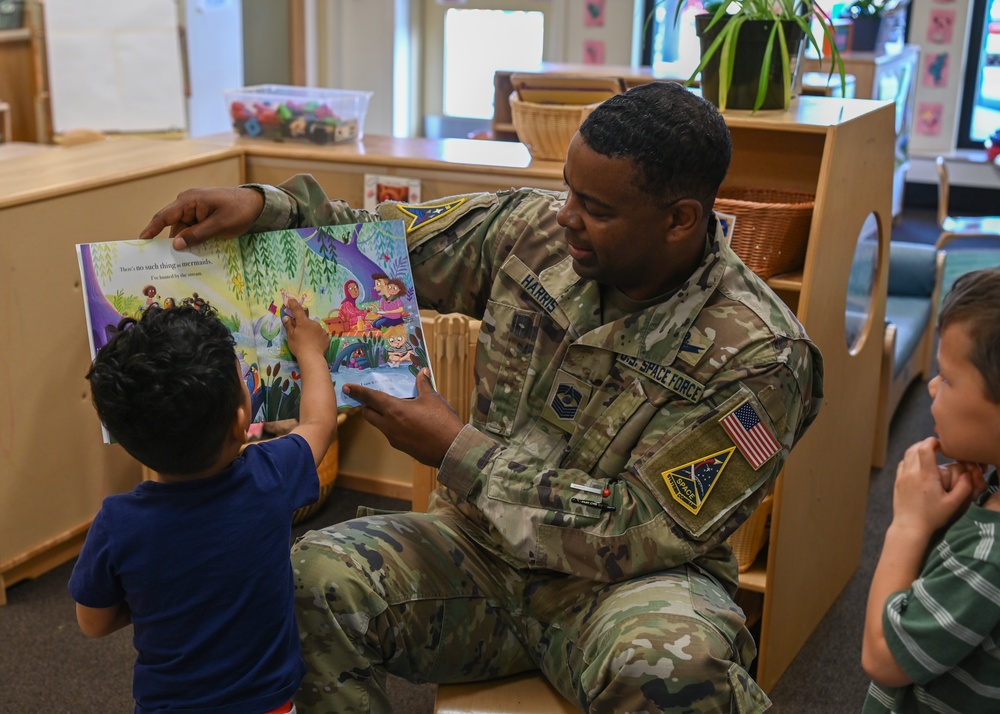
x=354, y=279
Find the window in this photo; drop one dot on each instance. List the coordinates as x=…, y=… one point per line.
x=980, y=112
x=479, y=42
x=465, y=42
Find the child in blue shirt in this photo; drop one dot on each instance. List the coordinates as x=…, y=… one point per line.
x=932, y=625
x=197, y=560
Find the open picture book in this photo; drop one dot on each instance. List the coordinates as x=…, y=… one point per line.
x=354, y=279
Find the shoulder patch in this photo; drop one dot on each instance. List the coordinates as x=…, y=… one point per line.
x=420, y=216
x=691, y=483
x=751, y=435
x=700, y=476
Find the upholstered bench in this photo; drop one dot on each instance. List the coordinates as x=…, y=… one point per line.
x=915, y=273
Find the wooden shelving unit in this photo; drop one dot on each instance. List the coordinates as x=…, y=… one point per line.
x=842, y=152
x=502, y=126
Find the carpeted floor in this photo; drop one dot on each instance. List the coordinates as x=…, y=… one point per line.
x=47, y=665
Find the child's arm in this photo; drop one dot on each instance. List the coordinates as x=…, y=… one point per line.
x=102, y=621
x=921, y=506
x=308, y=341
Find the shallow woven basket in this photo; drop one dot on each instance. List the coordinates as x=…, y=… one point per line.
x=547, y=129
x=772, y=227
x=749, y=538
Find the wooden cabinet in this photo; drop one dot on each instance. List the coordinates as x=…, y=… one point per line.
x=502, y=126
x=889, y=76
x=54, y=469
x=840, y=150
x=444, y=166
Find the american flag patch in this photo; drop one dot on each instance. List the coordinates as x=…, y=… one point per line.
x=750, y=435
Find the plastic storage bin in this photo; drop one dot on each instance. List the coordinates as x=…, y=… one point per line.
x=308, y=114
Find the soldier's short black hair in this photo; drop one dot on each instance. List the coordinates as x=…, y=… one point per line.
x=974, y=302
x=167, y=387
x=679, y=142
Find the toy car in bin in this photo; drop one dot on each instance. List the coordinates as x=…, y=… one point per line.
x=285, y=113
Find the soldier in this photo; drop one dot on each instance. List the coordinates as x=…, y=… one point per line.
x=637, y=391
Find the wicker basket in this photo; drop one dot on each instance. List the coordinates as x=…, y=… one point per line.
x=749, y=538
x=547, y=129
x=772, y=227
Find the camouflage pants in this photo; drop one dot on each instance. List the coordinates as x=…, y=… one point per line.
x=413, y=595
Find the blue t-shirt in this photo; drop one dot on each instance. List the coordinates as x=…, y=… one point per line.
x=204, y=567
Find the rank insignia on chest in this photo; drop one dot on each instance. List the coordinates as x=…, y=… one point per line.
x=567, y=398
x=691, y=483
x=751, y=435
x=693, y=348
x=422, y=215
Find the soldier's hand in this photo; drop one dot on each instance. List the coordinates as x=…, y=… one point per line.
x=202, y=213
x=423, y=427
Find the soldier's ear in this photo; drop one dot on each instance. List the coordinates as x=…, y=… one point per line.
x=685, y=217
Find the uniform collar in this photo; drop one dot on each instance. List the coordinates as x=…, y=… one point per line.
x=654, y=334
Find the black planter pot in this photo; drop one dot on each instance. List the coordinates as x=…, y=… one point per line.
x=864, y=33
x=750, y=46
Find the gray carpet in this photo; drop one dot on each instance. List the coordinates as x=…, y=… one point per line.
x=47, y=665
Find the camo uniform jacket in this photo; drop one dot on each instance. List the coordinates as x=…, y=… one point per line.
x=636, y=408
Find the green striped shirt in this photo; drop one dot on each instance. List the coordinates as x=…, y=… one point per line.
x=944, y=631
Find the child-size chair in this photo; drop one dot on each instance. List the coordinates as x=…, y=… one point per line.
x=954, y=226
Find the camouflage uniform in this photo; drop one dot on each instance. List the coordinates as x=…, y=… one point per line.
x=624, y=601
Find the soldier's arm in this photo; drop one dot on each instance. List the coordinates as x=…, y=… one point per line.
x=455, y=240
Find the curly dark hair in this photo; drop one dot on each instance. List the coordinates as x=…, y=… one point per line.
x=167, y=387
x=679, y=142
x=974, y=302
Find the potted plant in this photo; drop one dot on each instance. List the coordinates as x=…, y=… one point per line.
x=867, y=17
x=751, y=50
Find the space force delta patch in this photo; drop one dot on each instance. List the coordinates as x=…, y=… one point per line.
x=420, y=216
x=677, y=382
x=691, y=483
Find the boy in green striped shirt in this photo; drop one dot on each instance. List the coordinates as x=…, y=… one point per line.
x=932, y=625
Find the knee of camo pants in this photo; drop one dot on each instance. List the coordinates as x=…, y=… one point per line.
x=334, y=603
x=686, y=669
x=678, y=643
